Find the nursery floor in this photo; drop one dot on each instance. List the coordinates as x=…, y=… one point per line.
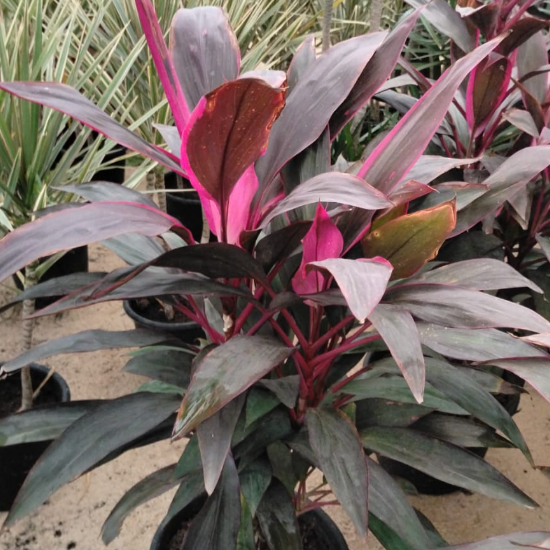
x=72, y=518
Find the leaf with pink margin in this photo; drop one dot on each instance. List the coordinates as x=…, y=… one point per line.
x=317, y=94
x=232, y=123
x=163, y=62
x=512, y=175
x=520, y=31
x=532, y=55
x=73, y=227
x=448, y=21
x=408, y=191
x=538, y=339
x=378, y=69
x=397, y=153
x=331, y=187
x=321, y=242
x=398, y=330
x=363, y=282
x=204, y=51
x=301, y=62
x=69, y=101
x=522, y=120
x=429, y=167
x=487, y=87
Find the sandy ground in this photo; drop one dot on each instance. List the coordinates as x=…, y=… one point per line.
x=72, y=518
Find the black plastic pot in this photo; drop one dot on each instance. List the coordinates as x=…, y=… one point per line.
x=74, y=261
x=17, y=460
x=114, y=173
x=316, y=522
x=187, y=331
x=185, y=207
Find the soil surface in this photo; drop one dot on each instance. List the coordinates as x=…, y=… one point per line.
x=72, y=518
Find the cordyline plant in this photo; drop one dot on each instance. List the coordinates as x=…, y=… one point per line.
x=311, y=270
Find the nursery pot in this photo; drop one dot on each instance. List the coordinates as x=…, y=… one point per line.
x=74, y=261
x=185, y=207
x=318, y=530
x=17, y=460
x=148, y=318
x=113, y=173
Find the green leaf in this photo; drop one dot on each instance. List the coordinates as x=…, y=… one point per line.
x=214, y=436
x=382, y=412
x=255, y=480
x=245, y=538
x=146, y=489
x=443, y=461
x=225, y=372
x=411, y=241
x=341, y=458
x=286, y=389
x=156, y=386
x=190, y=460
x=396, y=389
x=168, y=366
x=217, y=525
x=277, y=518
x=115, y=424
x=280, y=457
x=468, y=394
x=390, y=505
x=258, y=404
x=43, y=423
x=460, y=431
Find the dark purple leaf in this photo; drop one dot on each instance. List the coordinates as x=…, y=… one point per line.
x=314, y=99
x=399, y=332
x=337, y=446
x=78, y=227
x=477, y=274
x=67, y=100
x=146, y=489
x=88, y=340
x=114, y=423
x=224, y=373
x=331, y=187
x=474, y=345
x=446, y=462
x=278, y=246
x=302, y=61
x=362, y=282
x=163, y=62
x=461, y=308
x=520, y=32
x=217, y=525
x=286, y=389
x=214, y=435
x=511, y=176
x=397, y=154
x=42, y=423
x=204, y=51
x=448, y=21
x=377, y=70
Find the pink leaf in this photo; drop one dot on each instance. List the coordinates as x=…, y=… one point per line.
x=322, y=241
x=238, y=209
x=163, y=62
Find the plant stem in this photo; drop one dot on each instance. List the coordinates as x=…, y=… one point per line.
x=28, y=326
x=327, y=20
